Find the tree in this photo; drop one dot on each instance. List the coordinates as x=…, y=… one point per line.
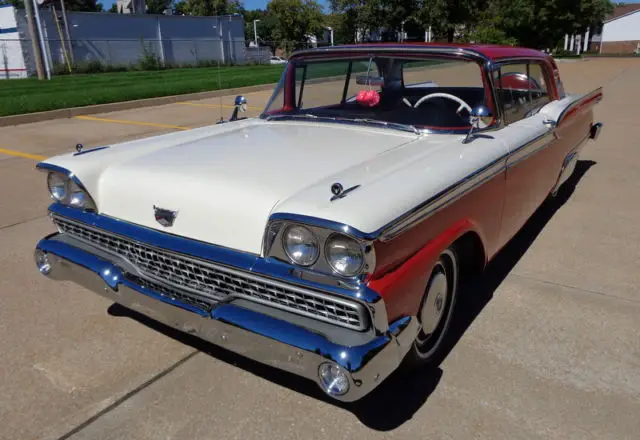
x=543, y=23
x=157, y=6
x=180, y=8
x=113, y=8
x=264, y=27
x=295, y=20
x=212, y=7
x=360, y=17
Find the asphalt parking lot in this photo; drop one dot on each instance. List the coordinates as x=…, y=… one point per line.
x=549, y=343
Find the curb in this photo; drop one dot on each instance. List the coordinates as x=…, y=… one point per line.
x=124, y=105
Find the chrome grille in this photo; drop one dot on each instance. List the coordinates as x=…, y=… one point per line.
x=202, y=283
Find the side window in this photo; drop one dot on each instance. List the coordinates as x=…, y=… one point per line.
x=522, y=88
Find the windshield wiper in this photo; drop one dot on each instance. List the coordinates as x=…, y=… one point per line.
x=394, y=125
x=397, y=126
x=298, y=116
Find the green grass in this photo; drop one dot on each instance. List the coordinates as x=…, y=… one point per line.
x=30, y=95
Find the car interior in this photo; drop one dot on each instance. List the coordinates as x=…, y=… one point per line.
x=397, y=102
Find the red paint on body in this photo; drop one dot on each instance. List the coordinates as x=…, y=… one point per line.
x=404, y=263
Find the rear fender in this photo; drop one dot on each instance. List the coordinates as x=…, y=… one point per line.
x=574, y=126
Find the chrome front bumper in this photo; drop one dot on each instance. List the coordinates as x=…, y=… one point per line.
x=234, y=326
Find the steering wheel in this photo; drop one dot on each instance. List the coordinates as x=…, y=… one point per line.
x=463, y=105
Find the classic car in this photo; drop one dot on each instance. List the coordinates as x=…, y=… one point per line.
x=330, y=235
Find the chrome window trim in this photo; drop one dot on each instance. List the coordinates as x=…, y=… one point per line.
x=483, y=62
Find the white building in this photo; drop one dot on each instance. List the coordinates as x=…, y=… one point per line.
x=12, y=62
x=621, y=34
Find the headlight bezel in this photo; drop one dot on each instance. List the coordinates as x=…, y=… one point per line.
x=72, y=187
x=339, y=236
x=273, y=247
x=313, y=239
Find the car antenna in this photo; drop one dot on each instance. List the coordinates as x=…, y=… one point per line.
x=220, y=91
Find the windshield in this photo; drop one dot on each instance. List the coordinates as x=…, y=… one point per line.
x=435, y=93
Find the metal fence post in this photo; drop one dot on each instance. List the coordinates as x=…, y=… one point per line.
x=159, y=36
x=109, y=52
x=195, y=51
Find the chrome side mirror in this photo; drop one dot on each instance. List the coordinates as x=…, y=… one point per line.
x=480, y=118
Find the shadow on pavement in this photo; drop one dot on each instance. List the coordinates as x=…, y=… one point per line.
x=399, y=397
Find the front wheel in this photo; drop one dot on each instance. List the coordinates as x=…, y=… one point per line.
x=436, y=311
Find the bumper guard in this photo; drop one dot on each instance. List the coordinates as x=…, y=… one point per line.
x=262, y=338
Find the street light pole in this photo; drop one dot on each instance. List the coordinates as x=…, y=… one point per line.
x=255, y=32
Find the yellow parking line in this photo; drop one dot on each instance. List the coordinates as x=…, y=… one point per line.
x=120, y=121
x=20, y=154
x=195, y=104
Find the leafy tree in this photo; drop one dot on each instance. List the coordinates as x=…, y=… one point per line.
x=360, y=16
x=294, y=20
x=157, y=6
x=212, y=7
x=180, y=8
x=113, y=8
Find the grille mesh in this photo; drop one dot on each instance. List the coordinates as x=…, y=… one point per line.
x=202, y=284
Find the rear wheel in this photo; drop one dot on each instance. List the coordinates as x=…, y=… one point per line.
x=436, y=311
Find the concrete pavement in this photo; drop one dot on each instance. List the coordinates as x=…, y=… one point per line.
x=548, y=348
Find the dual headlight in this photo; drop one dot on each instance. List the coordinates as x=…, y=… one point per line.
x=344, y=255
x=64, y=190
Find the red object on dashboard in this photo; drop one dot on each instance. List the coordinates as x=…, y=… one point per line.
x=368, y=98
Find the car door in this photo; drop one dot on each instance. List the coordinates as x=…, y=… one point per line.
x=534, y=160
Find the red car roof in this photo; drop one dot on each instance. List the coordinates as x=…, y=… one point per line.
x=490, y=51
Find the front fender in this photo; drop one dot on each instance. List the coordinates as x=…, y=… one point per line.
x=403, y=286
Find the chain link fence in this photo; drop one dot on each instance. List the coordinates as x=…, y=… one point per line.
x=105, y=55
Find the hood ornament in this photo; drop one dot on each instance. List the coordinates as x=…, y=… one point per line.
x=165, y=217
x=339, y=192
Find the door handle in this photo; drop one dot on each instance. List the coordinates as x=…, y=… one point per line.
x=549, y=122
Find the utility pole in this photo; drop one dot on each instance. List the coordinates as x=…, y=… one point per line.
x=35, y=46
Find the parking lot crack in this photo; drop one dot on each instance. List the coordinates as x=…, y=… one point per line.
x=580, y=289
x=21, y=222
x=128, y=395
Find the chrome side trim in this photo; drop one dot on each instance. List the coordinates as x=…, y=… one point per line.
x=577, y=101
x=270, y=340
x=441, y=200
x=530, y=148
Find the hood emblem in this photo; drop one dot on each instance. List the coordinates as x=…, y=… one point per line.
x=339, y=192
x=164, y=216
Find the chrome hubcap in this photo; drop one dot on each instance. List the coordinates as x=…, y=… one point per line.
x=434, y=305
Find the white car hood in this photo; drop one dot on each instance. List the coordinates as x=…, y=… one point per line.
x=224, y=181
